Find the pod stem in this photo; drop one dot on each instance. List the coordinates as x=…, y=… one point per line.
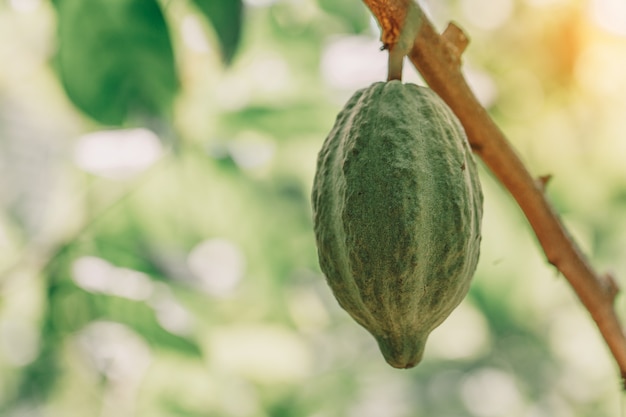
x=400, y=22
x=394, y=64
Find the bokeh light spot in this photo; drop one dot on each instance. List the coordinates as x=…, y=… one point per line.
x=19, y=342
x=483, y=86
x=170, y=313
x=115, y=350
x=263, y=353
x=259, y=3
x=25, y=6
x=193, y=34
x=491, y=392
x=97, y=275
x=487, y=14
x=353, y=62
x=610, y=15
x=270, y=73
x=118, y=154
x=463, y=335
x=251, y=150
x=218, y=264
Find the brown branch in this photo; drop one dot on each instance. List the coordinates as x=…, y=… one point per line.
x=437, y=58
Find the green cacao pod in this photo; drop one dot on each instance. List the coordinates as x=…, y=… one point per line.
x=397, y=207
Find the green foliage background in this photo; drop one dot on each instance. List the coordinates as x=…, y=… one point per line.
x=156, y=244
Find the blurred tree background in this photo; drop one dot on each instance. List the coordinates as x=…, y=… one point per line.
x=156, y=247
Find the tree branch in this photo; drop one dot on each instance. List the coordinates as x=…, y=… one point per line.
x=438, y=59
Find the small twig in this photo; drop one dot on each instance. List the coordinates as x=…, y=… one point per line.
x=437, y=58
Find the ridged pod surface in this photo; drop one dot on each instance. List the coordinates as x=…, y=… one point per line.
x=397, y=207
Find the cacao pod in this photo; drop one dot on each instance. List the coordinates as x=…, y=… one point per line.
x=397, y=207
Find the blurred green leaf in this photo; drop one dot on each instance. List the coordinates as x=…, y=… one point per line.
x=115, y=58
x=283, y=122
x=226, y=17
x=352, y=13
x=40, y=377
x=71, y=309
x=141, y=318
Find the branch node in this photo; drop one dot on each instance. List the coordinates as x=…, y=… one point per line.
x=543, y=180
x=611, y=286
x=456, y=39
